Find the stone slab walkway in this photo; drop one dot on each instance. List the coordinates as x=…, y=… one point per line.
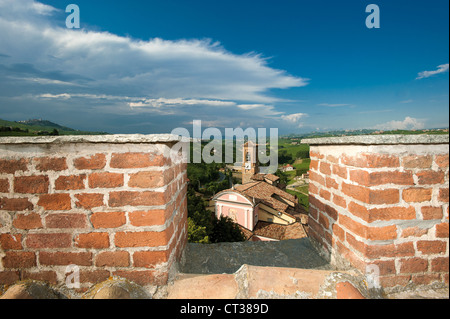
x=229, y=257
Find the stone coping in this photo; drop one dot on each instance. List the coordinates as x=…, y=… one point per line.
x=378, y=140
x=112, y=139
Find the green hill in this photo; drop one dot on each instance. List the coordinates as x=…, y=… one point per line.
x=39, y=127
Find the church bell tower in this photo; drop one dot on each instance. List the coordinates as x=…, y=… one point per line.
x=249, y=161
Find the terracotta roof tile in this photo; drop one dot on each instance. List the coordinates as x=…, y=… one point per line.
x=279, y=232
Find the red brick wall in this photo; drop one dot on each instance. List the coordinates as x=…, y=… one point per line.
x=384, y=205
x=111, y=209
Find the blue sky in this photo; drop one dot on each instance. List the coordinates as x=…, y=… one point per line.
x=152, y=66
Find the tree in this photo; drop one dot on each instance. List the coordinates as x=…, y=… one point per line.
x=283, y=176
x=196, y=233
x=225, y=230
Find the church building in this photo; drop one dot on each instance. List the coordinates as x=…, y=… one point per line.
x=260, y=206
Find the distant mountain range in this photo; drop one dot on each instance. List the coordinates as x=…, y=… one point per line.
x=366, y=132
x=35, y=127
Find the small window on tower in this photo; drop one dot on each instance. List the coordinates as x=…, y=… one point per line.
x=248, y=157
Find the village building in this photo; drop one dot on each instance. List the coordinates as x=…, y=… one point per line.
x=287, y=168
x=261, y=206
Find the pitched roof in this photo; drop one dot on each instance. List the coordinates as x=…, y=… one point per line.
x=271, y=177
x=279, y=232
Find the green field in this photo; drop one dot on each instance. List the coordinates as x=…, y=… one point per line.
x=39, y=127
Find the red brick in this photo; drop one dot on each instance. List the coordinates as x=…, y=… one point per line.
x=355, y=244
x=325, y=168
x=47, y=276
x=137, y=160
x=390, y=250
x=331, y=183
x=149, y=259
x=108, y=219
x=105, y=180
x=9, y=277
x=413, y=265
x=443, y=195
x=97, y=161
x=27, y=221
x=50, y=163
x=15, y=204
x=11, y=166
x=371, y=196
x=442, y=230
x=147, y=218
x=55, y=201
x=345, y=290
x=351, y=256
x=70, y=182
x=371, y=160
x=142, y=239
x=386, y=267
x=31, y=184
x=442, y=160
x=429, y=247
x=313, y=213
x=314, y=154
x=357, y=192
x=332, y=159
x=94, y=276
x=384, y=196
x=417, y=161
x=324, y=221
x=431, y=177
x=340, y=171
x=430, y=212
x=380, y=178
x=392, y=213
x=325, y=194
x=413, y=232
x=359, y=211
x=53, y=240
x=313, y=189
x=439, y=264
x=125, y=198
x=425, y=279
x=382, y=233
x=4, y=185
x=88, y=200
x=314, y=165
x=331, y=212
x=113, y=259
x=339, y=232
x=92, y=240
x=315, y=177
x=11, y=241
x=65, y=258
x=417, y=195
x=19, y=259
x=317, y=203
x=65, y=221
x=339, y=200
x=353, y=226
x=150, y=179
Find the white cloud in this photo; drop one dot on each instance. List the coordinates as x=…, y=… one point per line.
x=178, y=72
x=409, y=123
x=161, y=102
x=294, y=118
x=333, y=105
x=440, y=69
